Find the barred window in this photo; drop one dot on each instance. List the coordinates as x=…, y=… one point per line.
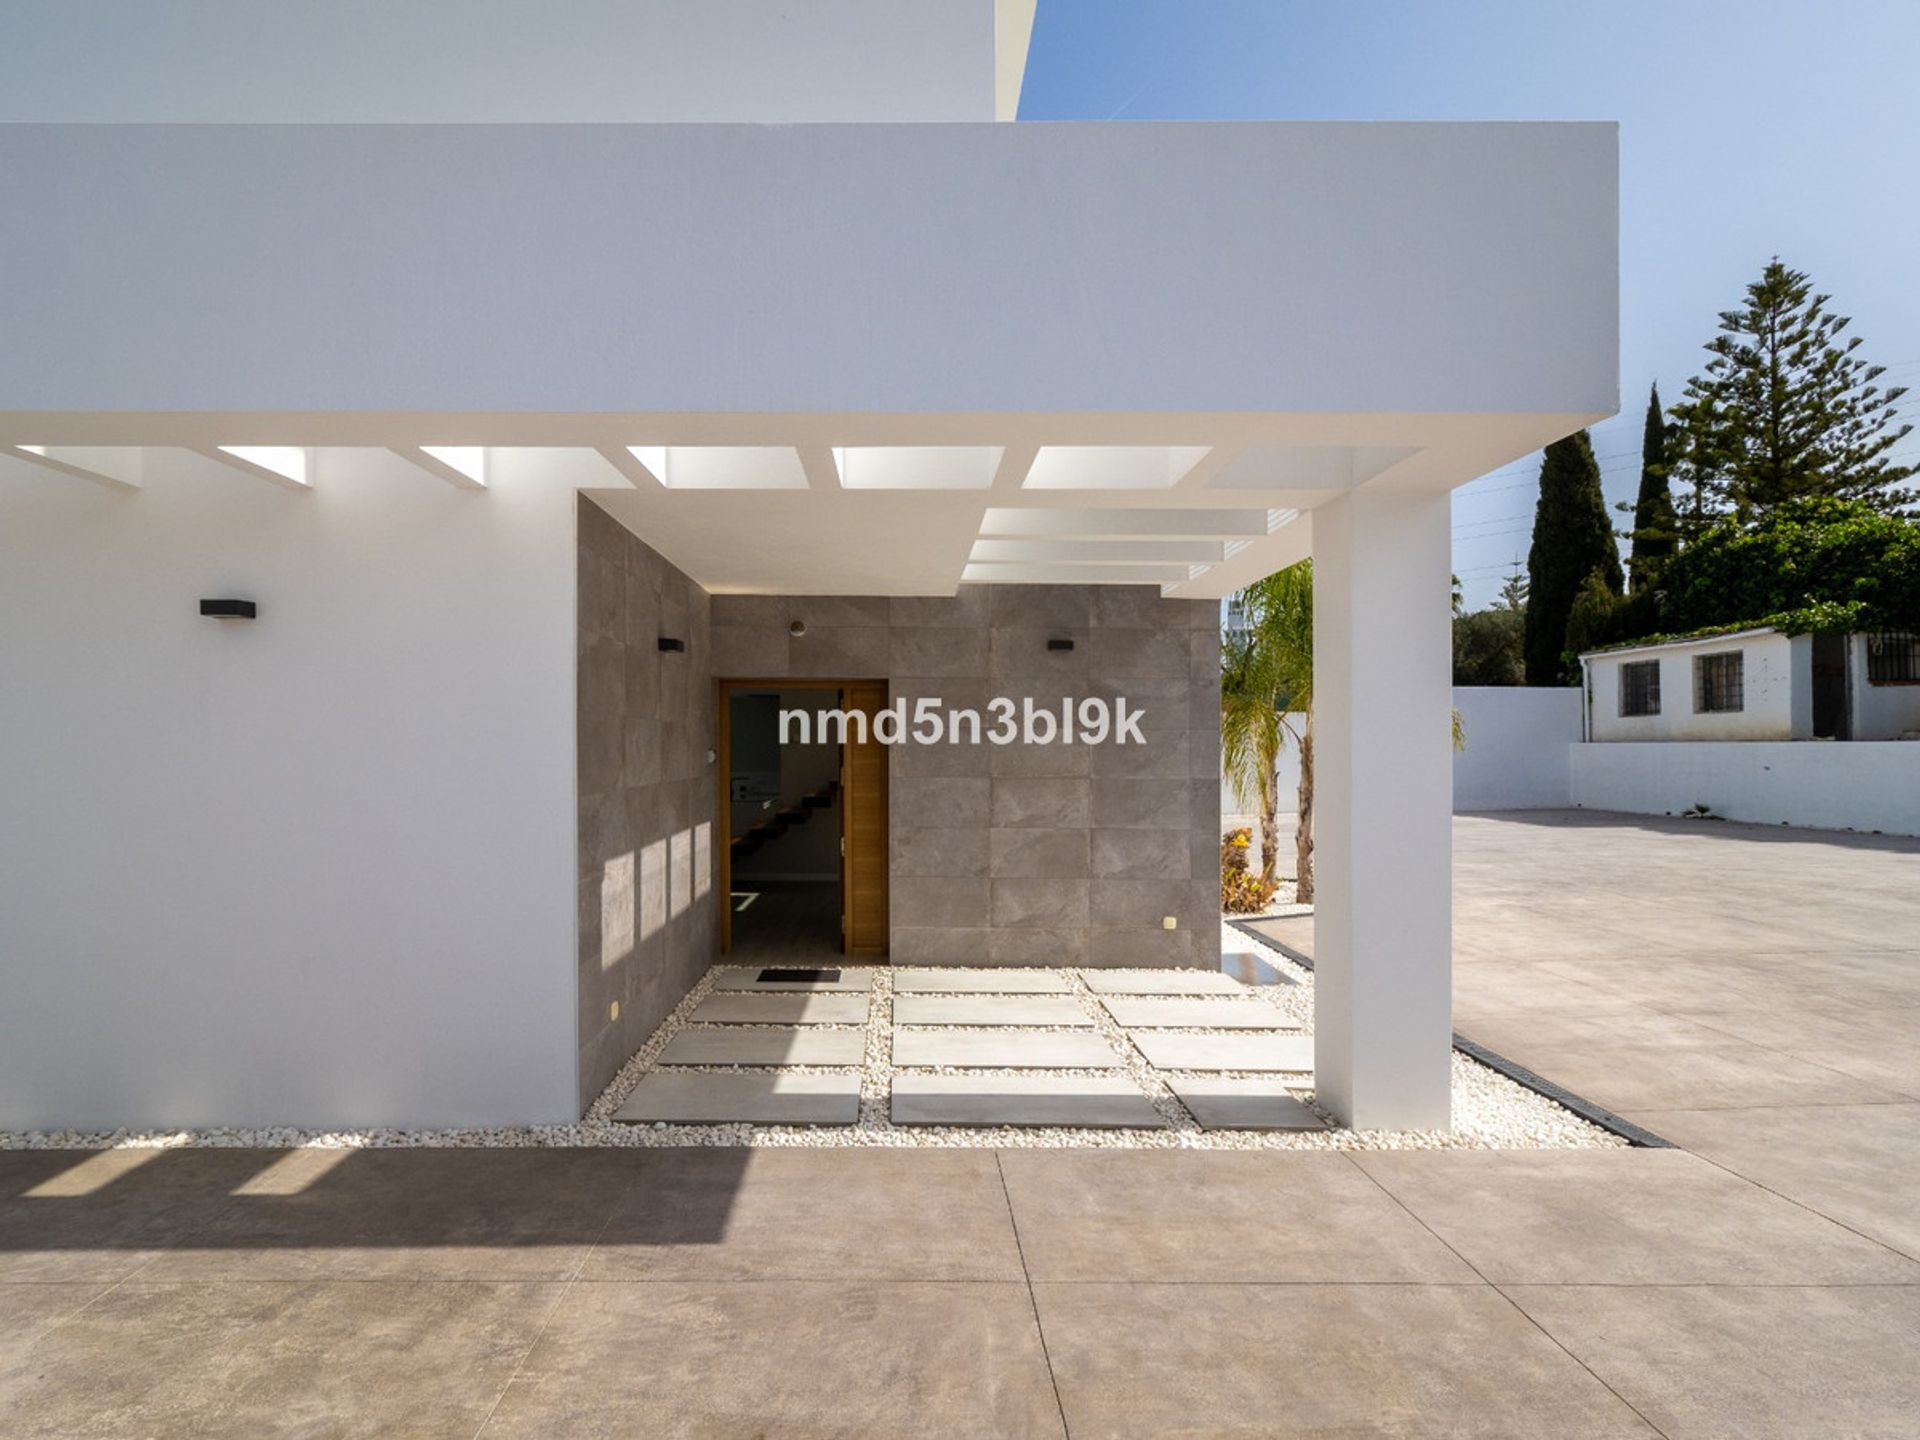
x=1719, y=683
x=1640, y=688
x=1893, y=659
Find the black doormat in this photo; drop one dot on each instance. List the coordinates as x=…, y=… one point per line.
x=799, y=977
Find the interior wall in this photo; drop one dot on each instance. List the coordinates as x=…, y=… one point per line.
x=807, y=851
x=1028, y=854
x=308, y=869
x=646, y=794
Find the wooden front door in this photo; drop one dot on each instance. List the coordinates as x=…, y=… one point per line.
x=863, y=833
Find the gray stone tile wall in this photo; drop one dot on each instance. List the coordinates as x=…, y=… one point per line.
x=1028, y=854
x=648, y=917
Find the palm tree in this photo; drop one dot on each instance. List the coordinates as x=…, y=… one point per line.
x=1266, y=698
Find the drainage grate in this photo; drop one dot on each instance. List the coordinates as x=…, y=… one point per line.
x=798, y=977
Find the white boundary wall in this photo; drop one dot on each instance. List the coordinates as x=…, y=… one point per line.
x=1517, y=739
x=312, y=869
x=1833, y=785
x=1516, y=755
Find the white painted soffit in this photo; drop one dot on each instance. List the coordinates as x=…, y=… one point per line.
x=806, y=517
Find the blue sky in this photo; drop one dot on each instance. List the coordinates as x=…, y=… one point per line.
x=1747, y=128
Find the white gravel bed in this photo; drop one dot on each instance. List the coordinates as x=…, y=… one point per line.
x=1489, y=1110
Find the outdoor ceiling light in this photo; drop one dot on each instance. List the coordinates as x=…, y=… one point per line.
x=796, y=628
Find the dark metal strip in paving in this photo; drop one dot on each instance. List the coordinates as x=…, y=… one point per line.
x=1594, y=1114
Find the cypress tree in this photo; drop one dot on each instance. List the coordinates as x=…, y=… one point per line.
x=1786, y=410
x=1572, y=539
x=1654, y=523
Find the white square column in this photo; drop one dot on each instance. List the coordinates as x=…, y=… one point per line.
x=1383, y=836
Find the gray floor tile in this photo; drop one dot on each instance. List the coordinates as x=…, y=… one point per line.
x=752, y=1099
x=1009, y=980
x=1081, y=1101
x=1215, y=1215
x=674, y=1360
x=1741, y=1363
x=746, y=977
x=81, y=1216
x=1148, y=1011
x=1278, y=1053
x=1417, y=1362
x=773, y=1045
x=751, y=1007
x=403, y=1214
x=712, y=1213
x=1004, y=1049
x=1162, y=982
x=1223, y=1104
x=990, y=1010
x=1857, y=1164
x=246, y=1359
x=1623, y=1217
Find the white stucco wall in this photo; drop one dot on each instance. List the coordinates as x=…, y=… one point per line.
x=720, y=270
x=1516, y=753
x=1839, y=785
x=1880, y=712
x=1777, y=686
x=315, y=868
x=410, y=61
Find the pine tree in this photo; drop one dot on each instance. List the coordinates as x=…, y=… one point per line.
x=1572, y=539
x=1786, y=409
x=1655, y=526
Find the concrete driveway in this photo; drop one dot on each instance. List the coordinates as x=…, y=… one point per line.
x=1750, y=994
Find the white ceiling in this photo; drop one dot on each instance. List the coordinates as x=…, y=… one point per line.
x=772, y=504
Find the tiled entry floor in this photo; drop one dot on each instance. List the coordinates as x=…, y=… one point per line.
x=919, y=1047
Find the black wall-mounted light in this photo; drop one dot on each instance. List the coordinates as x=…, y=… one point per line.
x=667, y=642
x=230, y=609
x=1059, y=644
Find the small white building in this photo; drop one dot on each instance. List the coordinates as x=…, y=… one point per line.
x=1757, y=684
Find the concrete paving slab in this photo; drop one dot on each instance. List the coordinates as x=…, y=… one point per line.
x=1163, y=1012
x=1004, y=1049
x=990, y=1010
x=1219, y=1103
x=760, y=1007
x=933, y=979
x=1092, y=1102
x=747, y=977
x=749, y=1099
x=1856, y=1164
x=773, y=1045
x=1161, y=982
x=1181, y=1216
x=1623, y=1217
x=1757, y=1362
x=727, y=1214
x=667, y=1360
x=1278, y=1053
x=1317, y=1360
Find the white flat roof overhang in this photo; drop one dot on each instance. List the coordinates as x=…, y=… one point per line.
x=836, y=358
